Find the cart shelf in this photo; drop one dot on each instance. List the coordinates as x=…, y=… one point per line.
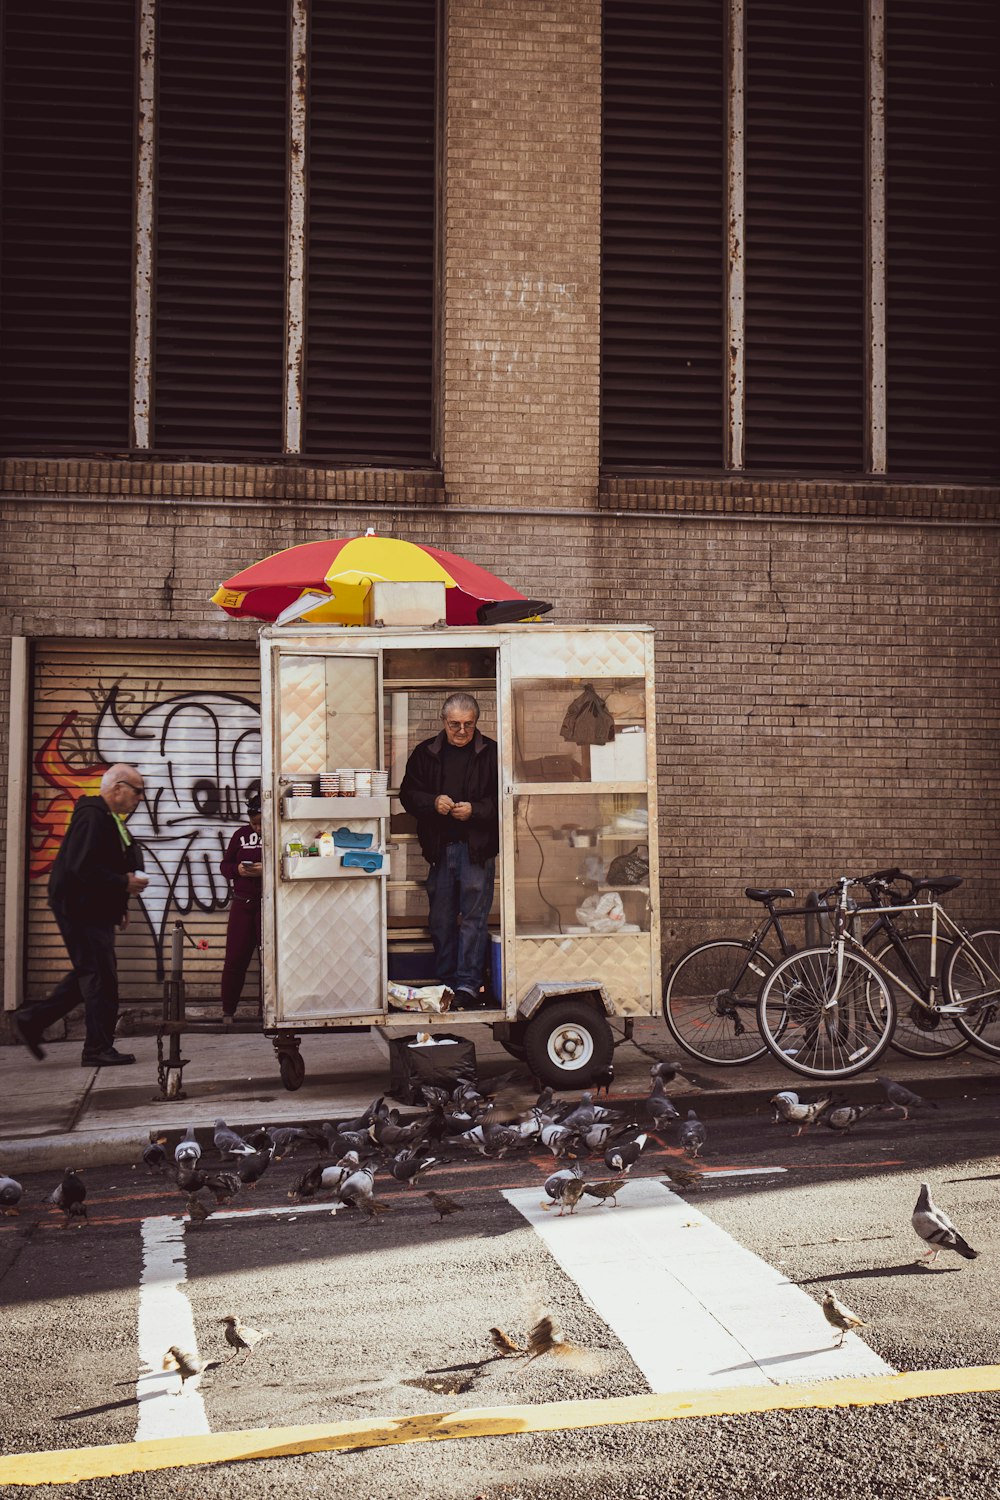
x=325, y=808
x=309, y=867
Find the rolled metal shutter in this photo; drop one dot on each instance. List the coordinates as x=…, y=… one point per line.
x=189, y=718
x=371, y=176
x=806, y=103
x=943, y=233
x=663, y=231
x=219, y=342
x=68, y=85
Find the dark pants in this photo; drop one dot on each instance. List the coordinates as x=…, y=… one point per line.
x=92, y=982
x=458, y=888
x=242, y=942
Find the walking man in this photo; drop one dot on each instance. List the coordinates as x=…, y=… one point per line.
x=450, y=787
x=95, y=872
x=242, y=865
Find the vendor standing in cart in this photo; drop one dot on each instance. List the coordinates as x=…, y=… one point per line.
x=242, y=865
x=450, y=787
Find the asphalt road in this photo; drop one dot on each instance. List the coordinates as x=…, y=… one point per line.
x=382, y=1319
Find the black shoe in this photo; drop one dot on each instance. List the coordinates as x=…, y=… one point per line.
x=29, y=1039
x=466, y=1000
x=107, y=1059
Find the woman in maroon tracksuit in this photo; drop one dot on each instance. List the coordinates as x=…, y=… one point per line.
x=242, y=865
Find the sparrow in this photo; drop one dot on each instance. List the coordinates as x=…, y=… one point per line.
x=504, y=1344
x=241, y=1338
x=608, y=1189
x=188, y=1366
x=444, y=1205
x=839, y=1316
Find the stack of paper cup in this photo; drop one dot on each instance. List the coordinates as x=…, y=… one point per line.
x=329, y=784
x=362, y=783
x=346, y=782
x=301, y=787
x=380, y=783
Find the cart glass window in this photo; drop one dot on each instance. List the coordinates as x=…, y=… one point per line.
x=580, y=729
x=328, y=713
x=581, y=864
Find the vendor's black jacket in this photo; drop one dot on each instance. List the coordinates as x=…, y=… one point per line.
x=424, y=780
x=89, y=880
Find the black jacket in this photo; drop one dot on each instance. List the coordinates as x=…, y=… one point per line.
x=89, y=880
x=424, y=780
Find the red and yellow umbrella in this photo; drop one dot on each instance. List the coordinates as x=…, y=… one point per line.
x=340, y=572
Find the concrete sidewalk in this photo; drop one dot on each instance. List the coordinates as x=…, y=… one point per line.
x=56, y=1113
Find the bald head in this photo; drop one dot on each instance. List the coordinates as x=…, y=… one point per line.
x=122, y=787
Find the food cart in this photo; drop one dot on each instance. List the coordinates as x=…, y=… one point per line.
x=574, y=936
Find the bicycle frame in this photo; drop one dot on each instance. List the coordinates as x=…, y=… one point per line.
x=932, y=998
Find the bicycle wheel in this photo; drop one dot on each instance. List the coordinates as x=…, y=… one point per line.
x=710, y=1001
x=972, y=979
x=819, y=1028
x=920, y=1032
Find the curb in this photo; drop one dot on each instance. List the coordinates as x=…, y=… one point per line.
x=106, y=1148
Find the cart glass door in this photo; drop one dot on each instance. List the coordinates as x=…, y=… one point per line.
x=581, y=816
x=329, y=820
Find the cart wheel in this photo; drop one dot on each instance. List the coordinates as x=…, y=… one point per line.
x=293, y=1070
x=567, y=1043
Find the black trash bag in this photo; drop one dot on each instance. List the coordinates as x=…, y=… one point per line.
x=588, y=719
x=631, y=868
x=412, y=1068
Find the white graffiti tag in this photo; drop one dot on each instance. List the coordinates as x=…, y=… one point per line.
x=199, y=754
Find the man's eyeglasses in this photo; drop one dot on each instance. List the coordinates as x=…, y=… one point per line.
x=138, y=790
x=460, y=723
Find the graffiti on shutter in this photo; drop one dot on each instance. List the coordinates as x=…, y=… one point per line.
x=190, y=721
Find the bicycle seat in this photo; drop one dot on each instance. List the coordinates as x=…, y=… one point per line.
x=937, y=884
x=765, y=894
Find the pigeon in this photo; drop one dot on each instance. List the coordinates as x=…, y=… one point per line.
x=190, y=1179
x=309, y=1183
x=624, y=1155
x=839, y=1316
x=154, y=1157
x=793, y=1112
x=603, y=1079
x=187, y=1148
x=488, y=1140
x=780, y=1102
x=558, y=1139
x=285, y=1139
x=596, y=1137
x=661, y=1110
x=259, y=1139
x=251, y=1169
x=444, y=1205
x=188, y=1366
x=693, y=1134
x=356, y=1191
x=10, y=1194
x=583, y=1116
x=845, y=1116
x=240, y=1337
x=603, y=1191
x=504, y=1344
x=904, y=1098
x=228, y=1143
x=69, y=1196
x=934, y=1226
x=570, y=1196
x=408, y=1167
x=666, y=1072
x=554, y=1186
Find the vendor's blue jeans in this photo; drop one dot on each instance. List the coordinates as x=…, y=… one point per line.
x=457, y=888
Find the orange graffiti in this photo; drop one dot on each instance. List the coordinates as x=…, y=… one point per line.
x=49, y=822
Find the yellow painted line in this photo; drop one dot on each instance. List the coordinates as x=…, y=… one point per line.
x=70, y=1465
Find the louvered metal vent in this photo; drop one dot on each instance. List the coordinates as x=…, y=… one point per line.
x=65, y=263
x=943, y=238
x=369, y=338
x=806, y=98
x=219, y=347
x=663, y=233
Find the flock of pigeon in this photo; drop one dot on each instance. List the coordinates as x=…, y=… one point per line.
x=462, y=1122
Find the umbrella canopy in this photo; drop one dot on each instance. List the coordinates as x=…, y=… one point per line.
x=340, y=572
